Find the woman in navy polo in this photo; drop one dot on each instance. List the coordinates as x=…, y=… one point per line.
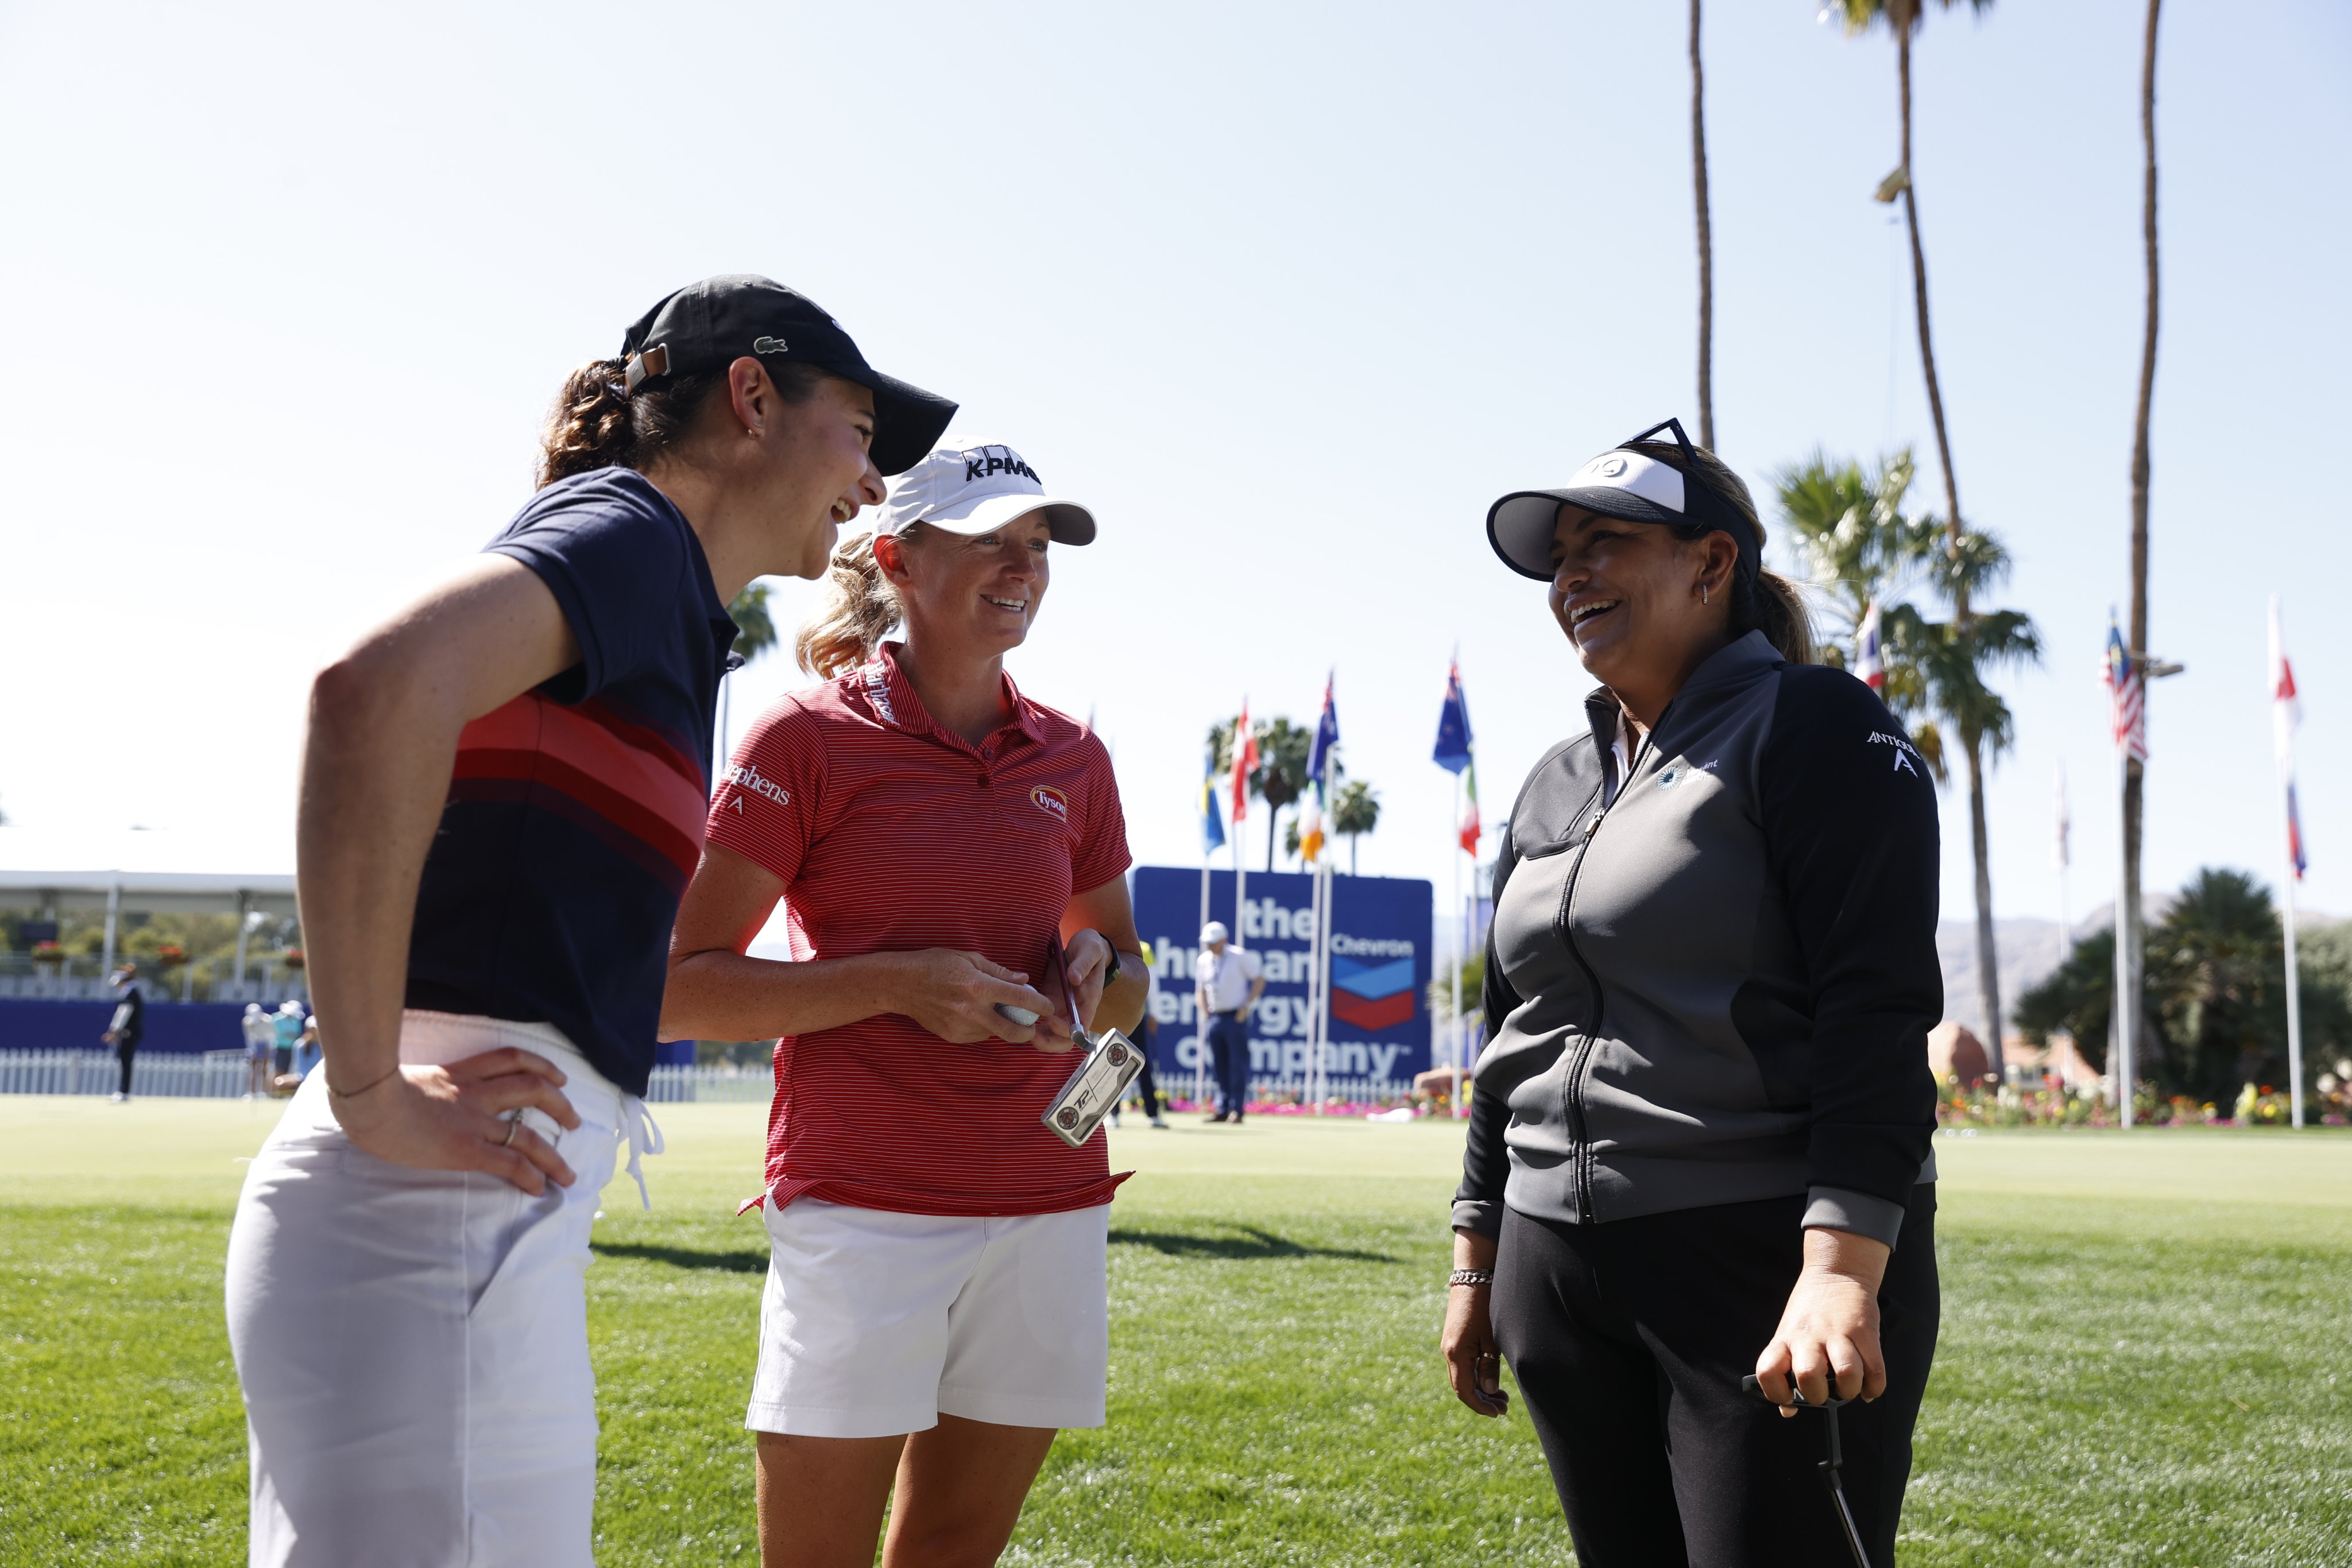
x=503, y=794
x=944, y=846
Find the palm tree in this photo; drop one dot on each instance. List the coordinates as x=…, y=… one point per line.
x=1862, y=551
x=1280, y=777
x=1355, y=812
x=1902, y=18
x=2213, y=982
x=2135, y=770
x=755, y=629
x=1706, y=242
x=1953, y=659
x=755, y=634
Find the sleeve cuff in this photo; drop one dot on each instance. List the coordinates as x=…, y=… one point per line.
x=1481, y=1216
x=1842, y=1209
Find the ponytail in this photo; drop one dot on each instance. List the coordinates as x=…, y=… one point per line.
x=597, y=422
x=589, y=427
x=1776, y=607
x=860, y=608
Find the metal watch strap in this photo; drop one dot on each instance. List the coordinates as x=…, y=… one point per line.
x=1470, y=1277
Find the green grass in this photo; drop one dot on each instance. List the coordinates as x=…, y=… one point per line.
x=2146, y=1353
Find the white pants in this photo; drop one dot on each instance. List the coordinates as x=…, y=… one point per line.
x=874, y=1322
x=412, y=1343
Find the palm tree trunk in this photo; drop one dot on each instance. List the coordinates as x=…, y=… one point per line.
x=1904, y=13
x=1352, y=840
x=1706, y=242
x=1988, y=949
x=1273, y=815
x=2128, y=923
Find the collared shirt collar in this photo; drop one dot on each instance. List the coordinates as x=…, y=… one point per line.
x=892, y=697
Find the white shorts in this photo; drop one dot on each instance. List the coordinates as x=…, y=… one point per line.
x=874, y=1324
x=412, y=1343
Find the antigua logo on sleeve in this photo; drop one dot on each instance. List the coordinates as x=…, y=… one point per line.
x=1905, y=754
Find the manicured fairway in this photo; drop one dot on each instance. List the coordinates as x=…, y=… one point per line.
x=2146, y=1356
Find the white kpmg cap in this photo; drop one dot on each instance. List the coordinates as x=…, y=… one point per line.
x=977, y=490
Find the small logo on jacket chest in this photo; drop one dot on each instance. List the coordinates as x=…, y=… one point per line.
x=1051, y=802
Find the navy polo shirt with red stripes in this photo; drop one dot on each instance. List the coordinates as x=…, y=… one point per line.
x=576, y=812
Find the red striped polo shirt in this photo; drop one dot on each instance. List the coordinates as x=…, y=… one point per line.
x=894, y=834
x=575, y=812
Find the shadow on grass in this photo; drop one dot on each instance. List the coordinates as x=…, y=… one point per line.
x=734, y=1261
x=1246, y=1242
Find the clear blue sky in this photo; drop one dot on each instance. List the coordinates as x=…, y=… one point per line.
x=1287, y=294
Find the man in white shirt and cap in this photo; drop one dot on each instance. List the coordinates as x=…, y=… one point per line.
x=1226, y=984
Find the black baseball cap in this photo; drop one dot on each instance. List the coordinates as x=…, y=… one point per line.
x=1628, y=485
x=709, y=325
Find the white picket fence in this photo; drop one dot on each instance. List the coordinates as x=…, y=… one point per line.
x=709, y=1086
x=221, y=1075
x=214, y=1075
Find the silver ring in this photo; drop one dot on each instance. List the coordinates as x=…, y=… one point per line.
x=513, y=1123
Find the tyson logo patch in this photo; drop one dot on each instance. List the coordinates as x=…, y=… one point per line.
x=1051, y=802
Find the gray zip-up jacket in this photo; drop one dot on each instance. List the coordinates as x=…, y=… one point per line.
x=1712, y=980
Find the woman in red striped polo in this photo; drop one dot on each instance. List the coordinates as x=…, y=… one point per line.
x=945, y=849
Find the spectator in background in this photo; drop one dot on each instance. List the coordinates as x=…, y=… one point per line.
x=129, y=1022
x=306, y=1050
x=260, y=1037
x=1226, y=984
x=288, y=1025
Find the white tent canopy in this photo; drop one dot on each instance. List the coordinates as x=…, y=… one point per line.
x=155, y=872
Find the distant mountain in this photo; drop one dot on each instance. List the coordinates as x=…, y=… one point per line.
x=2030, y=950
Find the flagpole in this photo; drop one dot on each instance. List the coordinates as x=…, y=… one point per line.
x=1323, y=970
x=1455, y=856
x=1314, y=927
x=1241, y=898
x=2119, y=1060
x=2294, y=988
x=1199, y=1018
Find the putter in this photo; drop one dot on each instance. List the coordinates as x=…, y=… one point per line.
x=1829, y=1466
x=1111, y=1062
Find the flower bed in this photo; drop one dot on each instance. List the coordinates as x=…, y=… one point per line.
x=1986, y=1105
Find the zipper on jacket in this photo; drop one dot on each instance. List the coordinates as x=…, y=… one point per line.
x=1582, y=1061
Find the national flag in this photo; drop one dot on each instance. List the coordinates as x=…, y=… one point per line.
x=1319, y=757
x=1327, y=735
x=2128, y=691
x=2294, y=834
x=1213, y=822
x=2060, y=851
x=1869, y=666
x=1245, y=763
x=2286, y=717
x=2286, y=708
x=1470, y=830
x=1453, y=750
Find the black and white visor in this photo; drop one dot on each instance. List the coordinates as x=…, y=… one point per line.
x=1619, y=483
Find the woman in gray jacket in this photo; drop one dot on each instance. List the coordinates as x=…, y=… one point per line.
x=1700, y=1143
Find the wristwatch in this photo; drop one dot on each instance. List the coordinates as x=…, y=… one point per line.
x=1470, y=1277
x=1110, y=975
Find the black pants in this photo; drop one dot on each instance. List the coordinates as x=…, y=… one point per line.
x=123, y=1052
x=1629, y=1341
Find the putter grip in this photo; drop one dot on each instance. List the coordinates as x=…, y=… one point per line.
x=1755, y=1390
